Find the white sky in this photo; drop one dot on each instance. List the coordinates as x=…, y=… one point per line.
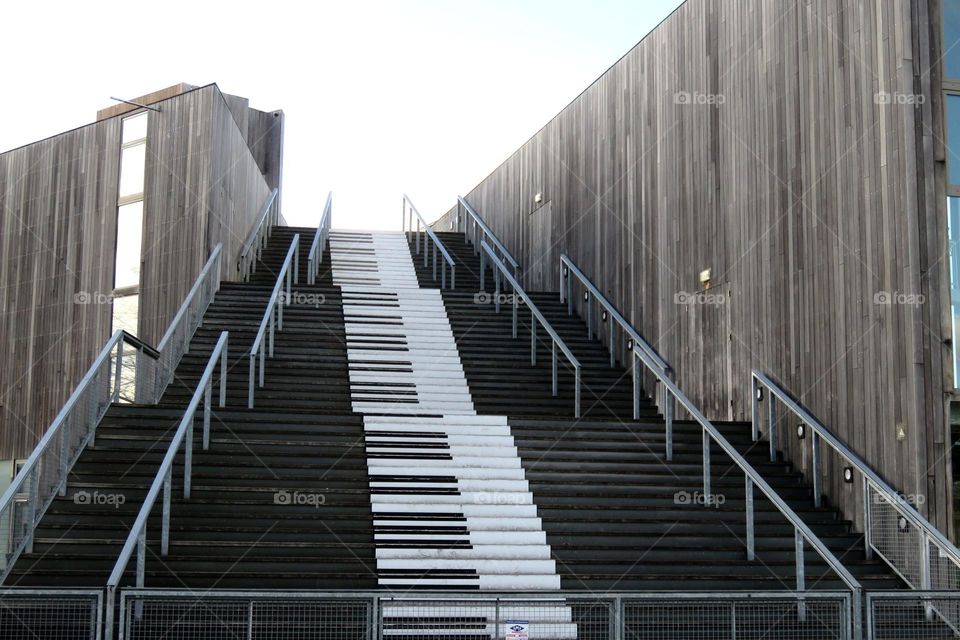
x=417, y=96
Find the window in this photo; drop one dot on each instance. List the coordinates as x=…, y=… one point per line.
x=126, y=270
x=951, y=39
x=133, y=161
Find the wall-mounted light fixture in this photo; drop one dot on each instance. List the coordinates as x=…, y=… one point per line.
x=538, y=198
x=848, y=475
x=902, y=524
x=630, y=345
x=760, y=394
x=586, y=296
x=603, y=315
x=801, y=431
x=705, y=278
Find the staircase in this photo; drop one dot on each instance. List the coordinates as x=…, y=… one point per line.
x=403, y=441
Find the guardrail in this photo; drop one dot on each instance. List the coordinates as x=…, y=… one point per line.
x=51, y=613
x=592, y=294
x=284, y=615
x=893, y=528
x=176, y=341
x=437, y=245
x=315, y=255
x=895, y=615
x=274, y=309
x=44, y=475
x=163, y=481
x=519, y=295
x=659, y=368
x=475, y=231
x=140, y=375
x=257, y=239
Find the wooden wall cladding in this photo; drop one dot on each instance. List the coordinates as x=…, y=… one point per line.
x=753, y=138
x=58, y=222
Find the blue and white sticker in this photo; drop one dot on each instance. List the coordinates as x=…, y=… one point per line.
x=517, y=630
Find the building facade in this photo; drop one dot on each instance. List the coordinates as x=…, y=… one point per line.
x=106, y=227
x=764, y=185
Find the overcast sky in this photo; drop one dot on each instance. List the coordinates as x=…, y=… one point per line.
x=417, y=96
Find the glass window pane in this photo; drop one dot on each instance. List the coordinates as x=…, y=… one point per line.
x=132, y=165
x=134, y=128
x=953, y=230
x=951, y=38
x=125, y=311
x=953, y=139
x=129, y=234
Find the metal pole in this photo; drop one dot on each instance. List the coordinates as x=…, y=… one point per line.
x=817, y=478
x=253, y=358
x=223, y=372
x=553, y=365
x=755, y=412
x=801, y=579
x=206, y=415
x=577, y=391
x=533, y=340
x=772, y=425
x=636, y=386
x=748, y=502
x=188, y=461
x=668, y=419
x=515, y=312
x=706, y=465
x=165, y=519
x=867, y=549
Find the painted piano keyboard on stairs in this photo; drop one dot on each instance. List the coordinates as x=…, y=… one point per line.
x=451, y=505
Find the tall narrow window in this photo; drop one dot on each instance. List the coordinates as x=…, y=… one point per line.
x=127, y=256
x=952, y=111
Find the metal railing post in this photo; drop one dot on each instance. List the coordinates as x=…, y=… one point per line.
x=817, y=477
x=801, y=578
x=576, y=370
x=755, y=409
x=668, y=407
x=553, y=365
x=748, y=505
x=772, y=425
x=706, y=466
x=533, y=340
x=867, y=516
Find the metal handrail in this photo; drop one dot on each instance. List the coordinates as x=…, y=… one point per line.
x=754, y=479
x=568, y=267
x=257, y=239
x=44, y=475
x=319, y=241
x=869, y=478
x=643, y=352
x=430, y=235
x=137, y=538
x=482, y=232
x=176, y=339
x=276, y=303
x=519, y=295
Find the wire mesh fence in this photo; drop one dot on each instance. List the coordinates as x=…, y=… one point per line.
x=181, y=615
x=51, y=614
x=737, y=617
x=913, y=615
x=242, y=615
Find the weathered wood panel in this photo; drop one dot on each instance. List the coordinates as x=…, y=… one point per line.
x=747, y=137
x=58, y=200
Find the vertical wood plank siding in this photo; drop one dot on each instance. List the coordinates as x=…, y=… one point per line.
x=58, y=200
x=747, y=137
